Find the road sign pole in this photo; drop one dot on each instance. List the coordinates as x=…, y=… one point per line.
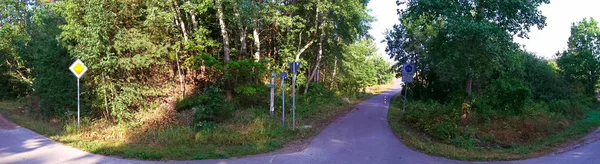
x=408, y=71
x=272, y=86
x=405, y=90
x=294, y=102
x=78, y=104
x=283, y=75
x=294, y=66
x=282, y=103
x=78, y=69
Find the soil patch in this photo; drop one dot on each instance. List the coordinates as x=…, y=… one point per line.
x=6, y=124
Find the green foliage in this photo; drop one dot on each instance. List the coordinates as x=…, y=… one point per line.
x=54, y=85
x=190, y=101
x=438, y=120
x=541, y=78
x=214, y=107
x=467, y=47
x=142, y=51
x=204, y=125
x=15, y=79
x=506, y=95
x=252, y=94
x=571, y=109
x=580, y=63
x=142, y=54
x=362, y=68
x=455, y=42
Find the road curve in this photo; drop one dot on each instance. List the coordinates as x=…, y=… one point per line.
x=362, y=136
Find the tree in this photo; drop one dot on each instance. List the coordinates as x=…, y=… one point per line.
x=384, y=70
x=14, y=39
x=157, y=51
x=580, y=63
x=357, y=70
x=122, y=48
x=471, y=36
x=345, y=20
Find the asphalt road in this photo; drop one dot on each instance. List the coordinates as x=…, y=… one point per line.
x=361, y=137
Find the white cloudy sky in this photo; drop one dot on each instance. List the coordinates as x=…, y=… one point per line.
x=545, y=43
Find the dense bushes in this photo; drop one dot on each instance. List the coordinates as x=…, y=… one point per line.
x=525, y=101
x=10, y=89
x=438, y=120
x=209, y=108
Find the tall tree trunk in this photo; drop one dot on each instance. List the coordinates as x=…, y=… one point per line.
x=242, y=30
x=333, y=74
x=319, y=56
x=224, y=33
x=243, y=36
x=256, y=40
x=467, y=104
x=226, y=50
x=181, y=85
x=106, y=99
x=181, y=23
x=194, y=21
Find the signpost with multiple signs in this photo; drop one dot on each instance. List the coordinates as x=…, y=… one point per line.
x=408, y=72
x=78, y=69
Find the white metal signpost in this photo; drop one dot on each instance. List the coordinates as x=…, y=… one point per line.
x=408, y=71
x=294, y=66
x=272, y=86
x=78, y=69
x=283, y=75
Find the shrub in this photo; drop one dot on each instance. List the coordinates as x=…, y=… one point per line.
x=510, y=94
x=505, y=96
x=437, y=120
x=568, y=108
x=444, y=130
x=252, y=94
x=190, y=102
x=204, y=125
x=214, y=107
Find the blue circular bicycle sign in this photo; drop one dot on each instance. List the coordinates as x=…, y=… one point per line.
x=408, y=72
x=408, y=68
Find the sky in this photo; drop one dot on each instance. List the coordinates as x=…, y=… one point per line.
x=560, y=14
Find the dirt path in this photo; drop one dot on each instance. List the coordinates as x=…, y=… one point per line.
x=6, y=125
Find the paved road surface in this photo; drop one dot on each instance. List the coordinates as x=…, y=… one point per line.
x=362, y=136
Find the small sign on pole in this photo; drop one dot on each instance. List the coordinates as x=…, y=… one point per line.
x=283, y=75
x=272, y=86
x=78, y=69
x=294, y=66
x=408, y=72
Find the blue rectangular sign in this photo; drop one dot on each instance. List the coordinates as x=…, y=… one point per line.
x=283, y=75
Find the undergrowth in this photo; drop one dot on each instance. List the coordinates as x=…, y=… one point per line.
x=540, y=128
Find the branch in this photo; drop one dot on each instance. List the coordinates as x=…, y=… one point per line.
x=303, y=49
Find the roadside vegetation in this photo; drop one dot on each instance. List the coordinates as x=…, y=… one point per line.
x=246, y=132
x=183, y=79
x=477, y=95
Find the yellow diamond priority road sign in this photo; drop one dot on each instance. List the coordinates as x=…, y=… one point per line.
x=78, y=68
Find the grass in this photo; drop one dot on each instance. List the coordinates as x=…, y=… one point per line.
x=17, y=113
x=249, y=131
x=418, y=140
